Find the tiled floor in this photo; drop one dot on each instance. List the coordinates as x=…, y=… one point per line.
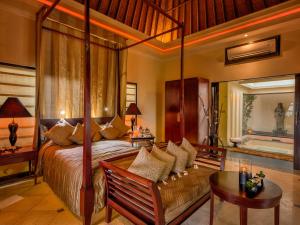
x=41, y=207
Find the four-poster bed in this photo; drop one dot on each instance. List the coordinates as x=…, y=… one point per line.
x=86, y=191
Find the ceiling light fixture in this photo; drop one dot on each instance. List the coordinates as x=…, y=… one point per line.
x=270, y=84
x=188, y=43
x=245, y=35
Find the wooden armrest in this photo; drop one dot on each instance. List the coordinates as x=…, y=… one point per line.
x=211, y=156
x=133, y=195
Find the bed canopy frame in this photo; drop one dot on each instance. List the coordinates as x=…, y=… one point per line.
x=86, y=191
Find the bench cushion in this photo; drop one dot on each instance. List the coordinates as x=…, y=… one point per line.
x=179, y=195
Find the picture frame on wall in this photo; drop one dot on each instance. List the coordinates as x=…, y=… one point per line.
x=252, y=51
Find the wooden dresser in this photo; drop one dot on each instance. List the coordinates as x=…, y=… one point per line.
x=196, y=127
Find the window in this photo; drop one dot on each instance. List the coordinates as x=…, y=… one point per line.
x=131, y=94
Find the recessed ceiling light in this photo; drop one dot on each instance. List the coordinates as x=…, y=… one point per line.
x=245, y=35
x=270, y=84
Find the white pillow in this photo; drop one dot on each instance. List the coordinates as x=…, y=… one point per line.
x=147, y=166
x=166, y=158
x=190, y=149
x=180, y=155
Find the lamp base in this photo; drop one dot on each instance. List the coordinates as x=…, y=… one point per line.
x=132, y=123
x=13, y=127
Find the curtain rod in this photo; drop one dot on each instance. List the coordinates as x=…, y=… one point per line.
x=82, y=31
x=79, y=38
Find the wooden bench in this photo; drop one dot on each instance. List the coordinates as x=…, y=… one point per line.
x=139, y=199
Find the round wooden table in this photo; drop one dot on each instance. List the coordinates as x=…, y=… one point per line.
x=225, y=185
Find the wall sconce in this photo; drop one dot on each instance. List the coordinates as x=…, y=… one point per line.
x=105, y=109
x=62, y=114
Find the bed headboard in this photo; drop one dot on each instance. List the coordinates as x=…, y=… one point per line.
x=73, y=121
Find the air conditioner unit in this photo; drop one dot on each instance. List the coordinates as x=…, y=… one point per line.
x=253, y=50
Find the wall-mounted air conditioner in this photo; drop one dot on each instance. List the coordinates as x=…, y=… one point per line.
x=253, y=50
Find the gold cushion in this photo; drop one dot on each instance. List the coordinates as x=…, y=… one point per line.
x=186, y=145
x=77, y=135
x=97, y=136
x=110, y=133
x=147, y=166
x=95, y=129
x=166, y=158
x=60, y=133
x=180, y=155
x=120, y=125
x=179, y=195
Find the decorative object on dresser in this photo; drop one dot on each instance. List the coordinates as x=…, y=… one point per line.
x=26, y=153
x=13, y=108
x=225, y=185
x=134, y=111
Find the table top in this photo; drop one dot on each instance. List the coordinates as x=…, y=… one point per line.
x=22, y=150
x=142, y=137
x=225, y=184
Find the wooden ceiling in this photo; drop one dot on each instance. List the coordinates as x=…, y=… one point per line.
x=197, y=15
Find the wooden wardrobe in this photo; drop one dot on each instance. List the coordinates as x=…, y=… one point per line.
x=196, y=125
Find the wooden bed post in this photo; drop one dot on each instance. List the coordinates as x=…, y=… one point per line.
x=86, y=191
x=182, y=125
x=118, y=85
x=38, y=39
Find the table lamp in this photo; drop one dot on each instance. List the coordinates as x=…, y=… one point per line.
x=13, y=108
x=134, y=111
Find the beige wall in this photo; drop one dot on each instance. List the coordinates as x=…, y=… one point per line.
x=209, y=63
x=145, y=70
x=17, y=39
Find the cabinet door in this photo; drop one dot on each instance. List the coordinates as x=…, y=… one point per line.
x=297, y=124
x=191, y=99
x=172, y=111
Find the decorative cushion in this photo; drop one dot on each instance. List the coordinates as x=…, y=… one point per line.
x=147, y=166
x=190, y=149
x=97, y=136
x=119, y=124
x=110, y=133
x=95, y=129
x=180, y=155
x=43, y=131
x=166, y=158
x=60, y=133
x=77, y=135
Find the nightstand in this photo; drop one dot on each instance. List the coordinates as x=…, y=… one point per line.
x=24, y=154
x=145, y=141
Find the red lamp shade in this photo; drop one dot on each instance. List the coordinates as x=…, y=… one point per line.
x=133, y=110
x=13, y=108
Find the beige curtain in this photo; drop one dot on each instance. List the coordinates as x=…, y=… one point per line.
x=62, y=74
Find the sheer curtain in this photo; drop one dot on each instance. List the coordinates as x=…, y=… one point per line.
x=62, y=73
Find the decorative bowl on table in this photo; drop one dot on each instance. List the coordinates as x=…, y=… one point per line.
x=255, y=185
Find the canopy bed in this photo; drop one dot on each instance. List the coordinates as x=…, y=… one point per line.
x=110, y=88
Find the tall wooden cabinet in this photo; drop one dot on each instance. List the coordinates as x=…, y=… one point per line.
x=196, y=93
x=297, y=124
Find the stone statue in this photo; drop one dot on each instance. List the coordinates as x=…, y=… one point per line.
x=280, y=116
